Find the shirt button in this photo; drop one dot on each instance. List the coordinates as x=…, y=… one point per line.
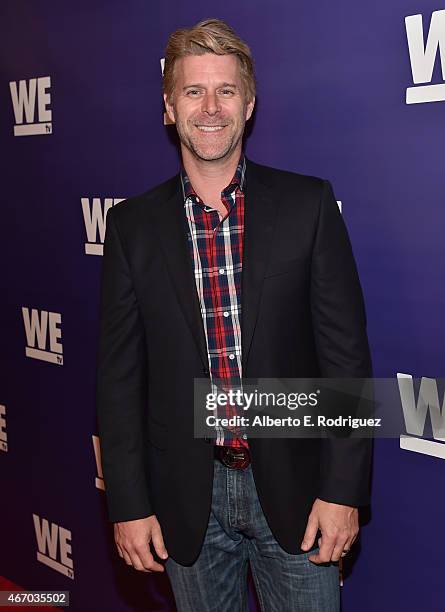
x=226, y=314
x=244, y=436
x=231, y=356
x=222, y=271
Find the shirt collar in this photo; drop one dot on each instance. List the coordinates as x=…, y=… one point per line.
x=238, y=180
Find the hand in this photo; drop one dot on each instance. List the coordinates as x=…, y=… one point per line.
x=133, y=543
x=339, y=529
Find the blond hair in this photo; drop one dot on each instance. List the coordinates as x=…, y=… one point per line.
x=208, y=36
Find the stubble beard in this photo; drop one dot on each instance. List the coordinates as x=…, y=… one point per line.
x=212, y=153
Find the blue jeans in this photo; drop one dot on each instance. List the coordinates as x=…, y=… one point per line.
x=238, y=534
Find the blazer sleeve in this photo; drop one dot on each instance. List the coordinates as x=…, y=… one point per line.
x=339, y=323
x=121, y=384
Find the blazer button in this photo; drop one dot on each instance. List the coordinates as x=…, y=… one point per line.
x=206, y=372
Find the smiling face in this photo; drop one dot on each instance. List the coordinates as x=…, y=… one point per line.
x=209, y=106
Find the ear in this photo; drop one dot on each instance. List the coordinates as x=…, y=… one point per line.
x=170, y=109
x=249, y=108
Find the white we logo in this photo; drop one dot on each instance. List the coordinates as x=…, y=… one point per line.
x=27, y=98
x=43, y=335
x=423, y=57
x=53, y=543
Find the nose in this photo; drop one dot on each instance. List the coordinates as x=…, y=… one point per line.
x=210, y=104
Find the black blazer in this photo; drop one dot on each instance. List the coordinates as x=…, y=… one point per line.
x=302, y=316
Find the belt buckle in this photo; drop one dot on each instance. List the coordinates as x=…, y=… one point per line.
x=235, y=458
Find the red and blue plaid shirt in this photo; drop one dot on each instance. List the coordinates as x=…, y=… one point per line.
x=216, y=249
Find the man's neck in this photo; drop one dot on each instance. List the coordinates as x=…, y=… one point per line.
x=210, y=177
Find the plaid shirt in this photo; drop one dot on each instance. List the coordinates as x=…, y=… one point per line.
x=216, y=249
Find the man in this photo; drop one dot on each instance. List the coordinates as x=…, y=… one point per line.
x=228, y=270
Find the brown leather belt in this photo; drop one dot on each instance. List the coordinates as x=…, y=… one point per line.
x=233, y=458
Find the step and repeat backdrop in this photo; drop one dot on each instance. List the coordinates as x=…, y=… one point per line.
x=352, y=92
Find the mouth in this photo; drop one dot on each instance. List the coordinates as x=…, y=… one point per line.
x=210, y=128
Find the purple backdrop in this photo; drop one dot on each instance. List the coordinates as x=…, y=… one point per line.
x=331, y=102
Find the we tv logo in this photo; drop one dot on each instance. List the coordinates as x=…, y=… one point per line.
x=415, y=411
x=54, y=546
x=43, y=335
x=3, y=434
x=167, y=120
x=100, y=483
x=423, y=57
x=94, y=217
x=30, y=100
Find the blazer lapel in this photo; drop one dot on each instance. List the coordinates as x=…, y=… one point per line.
x=259, y=222
x=171, y=223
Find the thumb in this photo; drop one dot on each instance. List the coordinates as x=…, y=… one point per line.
x=310, y=533
x=158, y=543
